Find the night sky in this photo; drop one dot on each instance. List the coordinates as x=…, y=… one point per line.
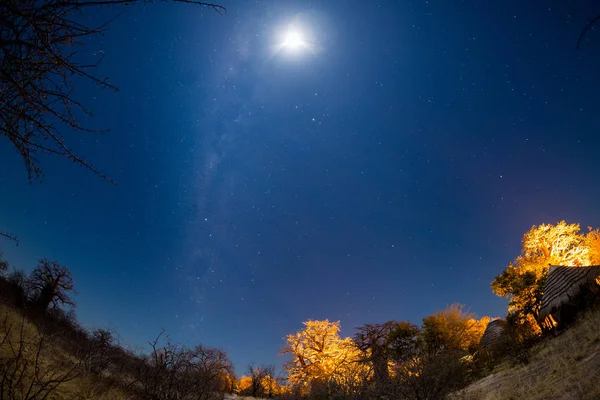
x=387, y=168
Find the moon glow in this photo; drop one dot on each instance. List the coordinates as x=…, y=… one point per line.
x=293, y=41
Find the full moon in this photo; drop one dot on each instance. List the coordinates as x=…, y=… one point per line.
x=293, y=40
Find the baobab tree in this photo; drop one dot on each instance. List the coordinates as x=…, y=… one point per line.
x=51, y=285
x=321, y=360
x=374, y=341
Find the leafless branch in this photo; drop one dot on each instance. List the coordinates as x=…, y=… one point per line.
x=29, y=368
x=10, y=237
x=173, y=371
x=39, y=46
x=589, y=26
x=51, y=284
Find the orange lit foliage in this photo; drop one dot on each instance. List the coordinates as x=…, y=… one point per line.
x=452, y=329
x=272, y=387
x=321, y=357
x=269, y=386
x=593, y=242
x=430, y=362
x=522, y=281
x=229, y=381
x=244, y=384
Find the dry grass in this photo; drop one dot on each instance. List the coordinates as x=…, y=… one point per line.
x=566, y=367
x=36, y=360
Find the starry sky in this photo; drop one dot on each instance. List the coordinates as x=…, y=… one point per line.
x=385, y=170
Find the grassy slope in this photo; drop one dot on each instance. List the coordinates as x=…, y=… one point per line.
x=53, y=360
x=566, y=367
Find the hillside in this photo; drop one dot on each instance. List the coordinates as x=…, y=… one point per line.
x=43, y=360
x=37, y=365
x=561, y=368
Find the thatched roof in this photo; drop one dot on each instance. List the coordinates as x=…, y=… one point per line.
x=492, y=333
x=564, y=283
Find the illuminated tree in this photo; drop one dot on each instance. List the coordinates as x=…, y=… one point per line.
x=314, y=350
x=228, y=381
x=257, y=376
x=523, y=280
x=260, y=381
x=593, y=242
x=320, y=358
x=274, y=386
x=452, y=330
x=560, y=244
x=245, y=385
x=429, y=362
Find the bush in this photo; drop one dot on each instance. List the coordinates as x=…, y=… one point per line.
x=30, y=368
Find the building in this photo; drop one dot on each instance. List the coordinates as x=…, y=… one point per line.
x=492, y=333
x=566, y=291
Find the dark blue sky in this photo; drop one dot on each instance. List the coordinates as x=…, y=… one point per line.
x=385, y=174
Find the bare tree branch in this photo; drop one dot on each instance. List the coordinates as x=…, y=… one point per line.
x=29, y=368
x=175, y=372
x=10, y=237
x=589, y=26
x=51, y=284
x=218, y=8
x=39, y=50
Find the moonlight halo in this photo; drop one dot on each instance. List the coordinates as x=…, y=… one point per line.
x=294, y=41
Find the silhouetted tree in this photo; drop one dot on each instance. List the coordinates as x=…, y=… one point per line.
x=433, y=378
x=403, y=342
x=39, y=59
x=17, y=288
x=31, y=368
x=257, y=377
x=98, y=354
x=213, y=369
x=270, y=385
x=3, y=264
x=51, y=284
x=175, y=372
x=260, y=382
x=374, y=341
